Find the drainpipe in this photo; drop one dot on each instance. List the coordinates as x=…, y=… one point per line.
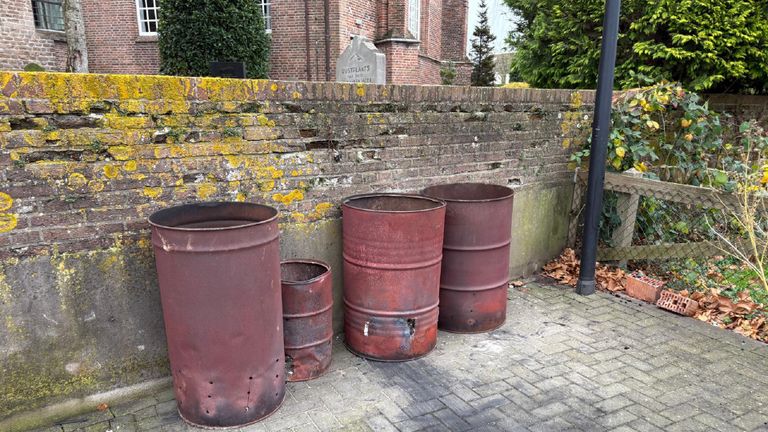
x=306, y=40
x=326, y=7
x=598, y=149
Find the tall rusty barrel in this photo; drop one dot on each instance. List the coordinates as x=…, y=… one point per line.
x=218, y=267
x=307, y=318
x=475, y=274
x=392, y=253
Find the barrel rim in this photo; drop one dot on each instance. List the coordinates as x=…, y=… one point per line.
x=346, y=202
x=325, y=265
x=152, y=219
x=511, y=193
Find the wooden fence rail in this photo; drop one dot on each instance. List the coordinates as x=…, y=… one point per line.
x=630, y=188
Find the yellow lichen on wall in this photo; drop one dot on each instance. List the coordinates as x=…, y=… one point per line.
x=8, y=221
x=76, y=181
x=122, y=153
x=130, y=165
x=226, y=89
x=152, y=192
x=111, y=171
x=206, y=190
x=6, y=201
x=320, y=211
x=287, y=199
x=265, y=121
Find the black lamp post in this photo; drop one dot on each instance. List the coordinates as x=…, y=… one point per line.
x=601, y=128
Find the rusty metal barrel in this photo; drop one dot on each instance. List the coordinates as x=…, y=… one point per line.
x=392, y=251
x=218, y=267
x=307, y=318
x=475, y=272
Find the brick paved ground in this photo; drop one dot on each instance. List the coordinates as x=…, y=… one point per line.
x=561, y=362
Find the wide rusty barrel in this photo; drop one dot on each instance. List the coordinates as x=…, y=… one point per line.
x=307, y=318
x=475, y=274
x=218, y=267
x=392, y=253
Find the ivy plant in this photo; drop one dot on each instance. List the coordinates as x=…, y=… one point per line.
x=663, y=128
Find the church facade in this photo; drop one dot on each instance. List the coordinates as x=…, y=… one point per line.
x=418, y=37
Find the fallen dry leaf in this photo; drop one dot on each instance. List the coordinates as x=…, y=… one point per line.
x=102, y=407
x=565, y=269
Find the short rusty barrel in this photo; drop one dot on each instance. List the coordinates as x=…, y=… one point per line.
x=392, y=253
x=475, y=274
x=218, y=267
x=307, y=318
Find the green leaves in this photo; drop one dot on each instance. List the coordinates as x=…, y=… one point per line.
x=712, y=45
x=663, y=128
x=192, y=34
x=482, y=51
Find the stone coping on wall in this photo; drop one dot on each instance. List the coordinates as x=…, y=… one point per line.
x=61, y=87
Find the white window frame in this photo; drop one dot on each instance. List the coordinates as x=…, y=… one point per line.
x=45, y=12
x=266, y=13
x=414, y=18
x=141, y=21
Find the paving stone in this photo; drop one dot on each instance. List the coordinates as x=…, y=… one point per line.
x=483, y=418
x=256, y=427
x=643, y=425
x=752, y=421
x=614, y=403
x=126, y=423
x=324, y=420
x=489, y=402
x=612, y=390
x=680, y=412
x=164, y=395
x=418, y=423
x=425, y=407
x=555, y=424
x=83, y=421
x=166, y=407
x=561, y=362
x=97, y=427
x=616, y=419
x=380, y=423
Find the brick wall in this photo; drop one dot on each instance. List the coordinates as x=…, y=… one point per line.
x=741, y=107
x=21, y=43
x=406, y=69
x=114, y=44
x=432, y=28
x=454, y=34
x=74, y=145
x=428, y=70
x=86, y=158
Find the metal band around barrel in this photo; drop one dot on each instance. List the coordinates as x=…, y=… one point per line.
x=377, y=313
x=425, y=264
x=309, y=314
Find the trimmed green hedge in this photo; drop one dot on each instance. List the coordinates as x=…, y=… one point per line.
x=194, y=33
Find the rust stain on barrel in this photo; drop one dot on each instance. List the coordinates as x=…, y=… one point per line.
x=392, y=252
x=475, y=272
x=307, y=318
x=218, y=267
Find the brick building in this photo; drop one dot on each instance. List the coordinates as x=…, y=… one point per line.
x=417, y=36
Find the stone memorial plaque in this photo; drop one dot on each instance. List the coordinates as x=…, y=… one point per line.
x=361, y=62
x=227, y=69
